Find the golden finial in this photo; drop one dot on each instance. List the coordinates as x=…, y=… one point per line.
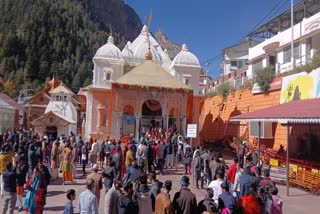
x=148, y=54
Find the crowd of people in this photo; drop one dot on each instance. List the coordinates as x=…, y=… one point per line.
x=128, y=174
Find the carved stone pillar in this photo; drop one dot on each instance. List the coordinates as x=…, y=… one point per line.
x=183, y=124
x=116, y=123
x=137, y=116
x=165, y=122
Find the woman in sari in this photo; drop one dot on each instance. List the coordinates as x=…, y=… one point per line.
x=66, y=163
x=34, y=198
x=54, y=160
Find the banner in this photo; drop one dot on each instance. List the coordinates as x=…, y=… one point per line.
x=300, y=86
x=128, y=125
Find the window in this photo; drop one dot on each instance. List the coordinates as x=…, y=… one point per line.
x=186, y=81
x=51, y=119
x=65, y=98
x=287, y=52
x=234, y=63
x=57, y=98
x=107, y=74
x=257, y=65
x=41, y=99
x=240, y=64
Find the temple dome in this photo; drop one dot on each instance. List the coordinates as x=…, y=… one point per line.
x=127, y=52
x=185, y=57
x=143, y=50
x=109, y=50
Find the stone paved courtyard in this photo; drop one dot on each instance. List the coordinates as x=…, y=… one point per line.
x=298, y=202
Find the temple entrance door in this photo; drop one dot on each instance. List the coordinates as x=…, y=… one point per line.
x=151, y=115
x=52, y=132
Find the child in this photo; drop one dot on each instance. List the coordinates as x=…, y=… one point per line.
x=71, y=195
x=21, y=172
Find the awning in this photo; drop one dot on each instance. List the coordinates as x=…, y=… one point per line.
x=299, y=111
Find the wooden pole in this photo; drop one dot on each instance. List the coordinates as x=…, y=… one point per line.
x=287, y=161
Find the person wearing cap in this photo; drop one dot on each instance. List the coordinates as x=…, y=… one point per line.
x=128, y=202
x=112, y=197
x=163, y=203
x=88, y=203
x=184, y=201
x=226, y=200
x=21, y=172
x=97, y=181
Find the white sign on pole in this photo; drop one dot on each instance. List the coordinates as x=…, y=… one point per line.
x=192, y=130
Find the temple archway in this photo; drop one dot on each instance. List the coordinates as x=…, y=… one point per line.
x=151, y=115
x=151, y=107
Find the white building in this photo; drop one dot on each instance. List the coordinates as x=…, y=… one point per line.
x=236, y=56
x=110, y=111
x=110, y=63
x=275, y=51
x=60, y=116
x=9, y=113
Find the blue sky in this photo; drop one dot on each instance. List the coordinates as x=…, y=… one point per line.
x=207, y=26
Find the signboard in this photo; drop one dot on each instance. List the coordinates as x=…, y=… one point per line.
x=312, y=26
x=192, y=130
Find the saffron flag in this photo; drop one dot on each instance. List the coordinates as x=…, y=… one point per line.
x=150, y=17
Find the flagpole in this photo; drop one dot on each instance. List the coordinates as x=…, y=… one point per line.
x=292, y=36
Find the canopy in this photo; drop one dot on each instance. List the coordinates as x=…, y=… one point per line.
x=299, y=111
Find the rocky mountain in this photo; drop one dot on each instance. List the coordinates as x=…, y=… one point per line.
x=39, y=38
x=116, y=13
x=165, y=43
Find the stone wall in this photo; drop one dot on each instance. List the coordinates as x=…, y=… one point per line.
x=216, y=111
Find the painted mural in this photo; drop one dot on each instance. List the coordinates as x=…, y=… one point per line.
x=300, y=86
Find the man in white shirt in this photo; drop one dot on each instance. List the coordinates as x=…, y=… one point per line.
x=88, y=203
x=94, y=153
x=216, y=186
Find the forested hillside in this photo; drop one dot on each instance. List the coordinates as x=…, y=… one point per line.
x=39, y=38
